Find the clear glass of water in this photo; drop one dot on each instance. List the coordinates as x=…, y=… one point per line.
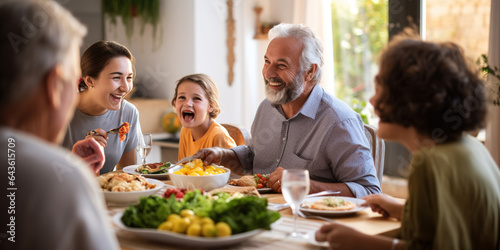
x=144, y=147
x=295, y=186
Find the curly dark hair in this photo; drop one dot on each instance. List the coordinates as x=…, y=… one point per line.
x=430, y=87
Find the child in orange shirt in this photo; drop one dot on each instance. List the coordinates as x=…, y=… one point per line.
x=196, y=103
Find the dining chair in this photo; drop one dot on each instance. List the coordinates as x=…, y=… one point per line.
x=240, y=135
x=377, y=147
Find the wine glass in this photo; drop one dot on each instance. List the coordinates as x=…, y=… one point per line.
x=144, y=147
x=295, y=186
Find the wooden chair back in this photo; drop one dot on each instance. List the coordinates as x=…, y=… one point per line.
x=240, y=135
x=377, y=147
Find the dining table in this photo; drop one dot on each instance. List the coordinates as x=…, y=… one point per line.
x=365, y=221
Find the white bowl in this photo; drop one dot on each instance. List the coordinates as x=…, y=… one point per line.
x=205, y=182
x=132, y=197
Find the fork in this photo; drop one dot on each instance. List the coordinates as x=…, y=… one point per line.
x=308, y=216
x=115, y=130
x=185, y=160
x=111, y=131
x=326, y=192
x=279, y=206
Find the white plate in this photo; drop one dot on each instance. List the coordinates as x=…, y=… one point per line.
x=131, y=170
x=132, y=196
x=260, y=190
x=327, y=212
x=185, y=240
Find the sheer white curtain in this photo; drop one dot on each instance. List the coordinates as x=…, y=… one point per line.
x=493, y=121
x=316, y=14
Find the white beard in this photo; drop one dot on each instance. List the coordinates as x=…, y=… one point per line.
x=288, y=93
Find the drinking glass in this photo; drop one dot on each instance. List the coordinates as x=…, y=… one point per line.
x=295, y=186
x=144, y=147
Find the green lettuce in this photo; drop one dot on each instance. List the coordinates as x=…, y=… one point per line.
x=150, y=212
x=244, y=213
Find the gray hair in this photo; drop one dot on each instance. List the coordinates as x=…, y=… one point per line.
x=313, y=50
x=35, y=37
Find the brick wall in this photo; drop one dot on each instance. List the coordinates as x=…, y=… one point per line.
x=465, y=22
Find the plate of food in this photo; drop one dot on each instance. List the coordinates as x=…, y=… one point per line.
x=332, y=205
x=173, y=220
x=157, y=170
x=183, y=239
x=127, y=188
x=258, y=181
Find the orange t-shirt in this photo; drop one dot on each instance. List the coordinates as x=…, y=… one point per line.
x=216, y=136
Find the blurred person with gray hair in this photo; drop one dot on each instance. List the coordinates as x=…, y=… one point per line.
x=300, y=126
x=53, y=199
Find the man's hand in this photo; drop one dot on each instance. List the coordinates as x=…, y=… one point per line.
x=210, y=155
x=91, y=152
x=274, y=179
x=220, y=156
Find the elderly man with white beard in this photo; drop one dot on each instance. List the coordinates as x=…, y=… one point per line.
x=300, y=126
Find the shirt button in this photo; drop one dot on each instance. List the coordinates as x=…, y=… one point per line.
x=284, y=138
x=278, y=160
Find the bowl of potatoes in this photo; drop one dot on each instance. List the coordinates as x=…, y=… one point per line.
x=195, y=175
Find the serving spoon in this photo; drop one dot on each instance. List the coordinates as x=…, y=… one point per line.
x=185, y=160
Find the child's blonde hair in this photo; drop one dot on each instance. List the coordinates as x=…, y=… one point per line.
x=208, y=85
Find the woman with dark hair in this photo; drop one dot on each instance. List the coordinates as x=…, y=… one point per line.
x=427, y=99
x=107, y=77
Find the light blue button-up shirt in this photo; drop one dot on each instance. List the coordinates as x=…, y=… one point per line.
x=326, y=137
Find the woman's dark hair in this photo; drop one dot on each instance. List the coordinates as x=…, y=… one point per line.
x=97, y=56
x=430, y=87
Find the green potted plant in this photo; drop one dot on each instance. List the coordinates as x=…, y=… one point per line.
x=147, y=10
x=494, y=73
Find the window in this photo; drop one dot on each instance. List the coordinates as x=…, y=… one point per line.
x=359, y=30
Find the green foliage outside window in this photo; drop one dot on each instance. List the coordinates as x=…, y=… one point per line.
x=360, y=32
x=360, y=107
x=494, y=74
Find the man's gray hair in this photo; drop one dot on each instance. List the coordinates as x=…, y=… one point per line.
x=313, y=50
x=35, y=36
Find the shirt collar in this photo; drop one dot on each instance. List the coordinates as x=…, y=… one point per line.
x=310, y=107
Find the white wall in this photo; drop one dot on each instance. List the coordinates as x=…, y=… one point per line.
x=211, y=56
x=89, y=13
x=157, y=70
x=194, y=41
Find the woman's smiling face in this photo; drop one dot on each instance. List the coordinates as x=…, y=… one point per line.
x=192, y=105
x=113, y=83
